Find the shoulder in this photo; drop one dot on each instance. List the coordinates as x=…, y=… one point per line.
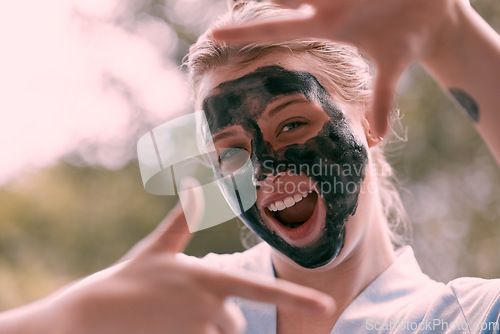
x=405, y=300
x=467, y=287
x=466, y=304
x=479, y=299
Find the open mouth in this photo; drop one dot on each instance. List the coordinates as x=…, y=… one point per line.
x=297, y=220
x=294, y=211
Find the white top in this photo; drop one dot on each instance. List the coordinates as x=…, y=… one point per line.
x=401, y=300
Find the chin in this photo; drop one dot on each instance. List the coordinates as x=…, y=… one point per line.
x=310, y=241
x=322, y=268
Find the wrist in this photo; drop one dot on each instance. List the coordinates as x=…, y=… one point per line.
x=27, y=319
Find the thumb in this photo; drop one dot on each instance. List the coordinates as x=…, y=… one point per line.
x=275, y=30
x=173, y=233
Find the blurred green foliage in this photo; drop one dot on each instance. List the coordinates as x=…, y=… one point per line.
x=67, y=221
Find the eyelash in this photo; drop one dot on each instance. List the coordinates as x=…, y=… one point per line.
x=296, y=123
x=225, y=154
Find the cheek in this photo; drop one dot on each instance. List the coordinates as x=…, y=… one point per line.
x=238, y=188
x=360, y=135
x=355, y=117
x=357, y=126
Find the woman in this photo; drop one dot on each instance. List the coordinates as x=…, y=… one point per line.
x=286, y=107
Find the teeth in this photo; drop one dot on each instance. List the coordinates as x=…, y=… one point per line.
x=288, y=201
x=280, y=205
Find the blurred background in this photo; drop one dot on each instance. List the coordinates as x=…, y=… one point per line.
x=82, y=80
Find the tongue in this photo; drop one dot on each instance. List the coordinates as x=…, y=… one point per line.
x=300, y=212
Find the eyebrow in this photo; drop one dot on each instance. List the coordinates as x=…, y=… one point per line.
x=222, y=135
x=271, y=113
x=282, y=106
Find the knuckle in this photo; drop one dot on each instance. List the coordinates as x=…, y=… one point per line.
x=213, y=280
x=211, y=301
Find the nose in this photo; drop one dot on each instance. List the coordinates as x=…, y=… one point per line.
x=268, y=180
x=264, y=160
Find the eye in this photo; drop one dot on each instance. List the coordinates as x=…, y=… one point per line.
x=291, y=126
x=228, y=153
x=232, y=158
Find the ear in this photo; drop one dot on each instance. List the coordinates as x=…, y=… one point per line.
x=371, y=139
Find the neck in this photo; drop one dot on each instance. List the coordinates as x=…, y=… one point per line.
x=366, y=254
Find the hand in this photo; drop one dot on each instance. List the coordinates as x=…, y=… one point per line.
x=153, y=293
x=392, y=33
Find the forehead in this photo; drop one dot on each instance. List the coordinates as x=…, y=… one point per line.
x=229, y=96
x=231, y=72
x=243, y=101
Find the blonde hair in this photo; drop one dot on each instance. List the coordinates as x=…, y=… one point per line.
x=338, y=67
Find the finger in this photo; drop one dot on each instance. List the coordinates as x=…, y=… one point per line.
x=151, y=240
x=294, y=4
x=173, y=234
x=209, y=329
x=289, y=296
x=383, y=101
x=297, y=3
x=231, y=320
x=275, y=30
x=192, y=201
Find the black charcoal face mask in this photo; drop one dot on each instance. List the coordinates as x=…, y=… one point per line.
x=241, y=102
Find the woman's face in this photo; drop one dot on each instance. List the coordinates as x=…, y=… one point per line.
x=307, y=162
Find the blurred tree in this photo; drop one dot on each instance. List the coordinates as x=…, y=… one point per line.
x=62, y=223
x=451, y=184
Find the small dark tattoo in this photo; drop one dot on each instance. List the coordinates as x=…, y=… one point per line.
x=467, y=102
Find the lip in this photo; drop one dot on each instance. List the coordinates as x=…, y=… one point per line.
x=281, y=197
x=303, y=235
x=307, y=186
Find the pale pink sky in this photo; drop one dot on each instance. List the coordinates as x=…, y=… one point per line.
x=52, y=96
